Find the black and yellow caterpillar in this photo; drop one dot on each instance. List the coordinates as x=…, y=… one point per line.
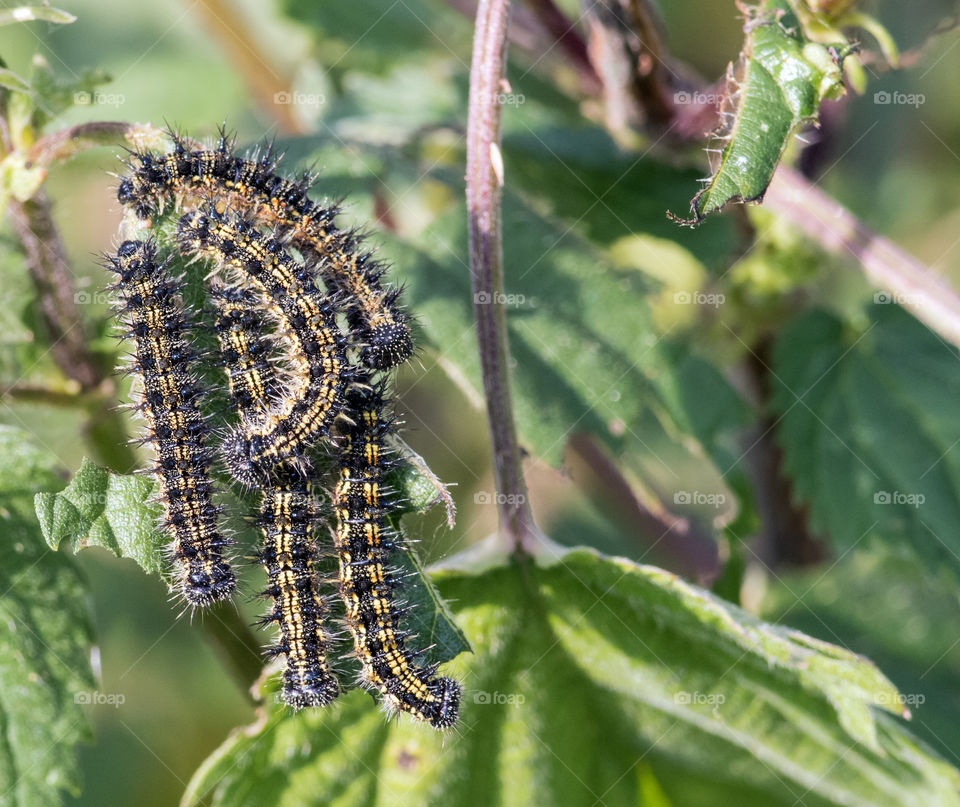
x=216, y=178
x=305, y=331
x=163, y=361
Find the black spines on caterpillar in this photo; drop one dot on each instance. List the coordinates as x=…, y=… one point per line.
x=383, y=327
x=364, y=542
x=245, y=349
x=163, y=362
x=190, y=177
x=303, y=416
x=286, y=519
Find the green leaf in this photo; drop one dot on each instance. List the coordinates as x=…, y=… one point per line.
x=431, y=619
x=780, y=81
x=53, y=94
x=578, y=327
x=868, y=427
x=100, y=508
x=582, y=178
x=895, y=612
x=30, y=13
x=588, y=664
x=45, y=640
x=371, y=36
x=418, y=487
x=23, y=356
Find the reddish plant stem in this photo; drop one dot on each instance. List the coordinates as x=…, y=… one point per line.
x=49, y=269
x=690, y=547
x=64, y=143
x=624, y=48
x=484, y=180
x=568, y=41
x=906, y=280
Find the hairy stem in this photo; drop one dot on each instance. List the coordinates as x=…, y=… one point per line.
x=484, y=180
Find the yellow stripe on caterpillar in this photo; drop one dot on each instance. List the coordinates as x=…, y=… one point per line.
x=287, y=515
x=364, y=540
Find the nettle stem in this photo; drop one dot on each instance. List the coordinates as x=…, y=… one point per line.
x=904, y=279
x=484, y=181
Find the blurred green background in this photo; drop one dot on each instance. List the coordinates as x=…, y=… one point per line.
x=897, y=168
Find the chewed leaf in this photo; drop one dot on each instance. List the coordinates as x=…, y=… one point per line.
x=777, y=86
x=100, y=508
x=419, y=487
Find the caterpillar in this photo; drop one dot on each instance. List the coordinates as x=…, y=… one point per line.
x=284, y=278
x=364, y=541
x=194, y=177
x=303, y=416
x=244, y=350
x=170, y=405
x=286, y=518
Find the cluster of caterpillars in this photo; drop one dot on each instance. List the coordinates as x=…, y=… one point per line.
x=306, y=334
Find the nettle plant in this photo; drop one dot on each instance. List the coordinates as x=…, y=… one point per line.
x=695, y=383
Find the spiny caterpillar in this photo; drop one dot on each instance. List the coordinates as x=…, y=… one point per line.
x=270, y=248
x=244, y=350
x=175, y=427
x=364, y=541
x=303, y=416
x=217, y=178
x=287, y=512
x=286, y=521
